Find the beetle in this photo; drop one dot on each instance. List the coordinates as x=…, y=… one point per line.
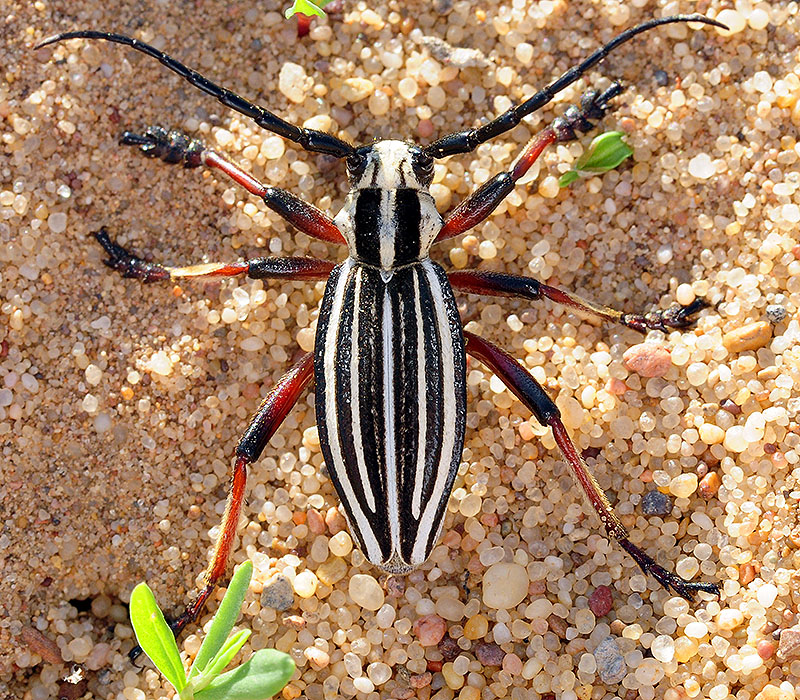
x=389, y=360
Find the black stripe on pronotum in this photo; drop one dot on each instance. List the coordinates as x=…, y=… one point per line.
x=389, y=359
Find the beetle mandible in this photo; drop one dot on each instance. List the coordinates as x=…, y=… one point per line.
x=389, y=359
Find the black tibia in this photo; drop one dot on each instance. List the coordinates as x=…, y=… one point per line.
x=501, y=284
x=664, y=320
x=171, y=146
x=128, y=264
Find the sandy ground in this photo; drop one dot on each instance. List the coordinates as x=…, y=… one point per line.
x=113, y=473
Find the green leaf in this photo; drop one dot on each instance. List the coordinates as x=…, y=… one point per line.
x=568, y=178
x=221, y=660
x=305, y=7
x=155, y=637
x=605, y=153
x=263, y=675
x=224, y=619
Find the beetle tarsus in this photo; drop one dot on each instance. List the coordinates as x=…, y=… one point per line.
x=127, y=264
x=593, y=108
x=685, y=589
x=675, y=317
x=170, y=145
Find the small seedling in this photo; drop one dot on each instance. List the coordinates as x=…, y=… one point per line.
x=264, y=674
x=307, y=8
x=605, y=153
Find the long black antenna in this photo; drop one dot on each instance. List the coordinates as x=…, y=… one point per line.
x=309, y=139
x=469, y=139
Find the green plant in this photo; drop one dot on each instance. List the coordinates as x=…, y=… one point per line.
x=264, y=674
x=307, y=8
x=605, y=153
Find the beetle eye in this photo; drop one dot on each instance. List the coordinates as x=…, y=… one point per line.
x=356, y=162
x=422, y=164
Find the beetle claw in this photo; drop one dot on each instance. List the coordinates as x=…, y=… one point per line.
x=171, y=146
x=126, y=263
x=665, y=319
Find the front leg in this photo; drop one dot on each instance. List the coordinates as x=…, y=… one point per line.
x=267, y=419
x=503, y=285
x=488, y=196
x=531, y=393
x=173, y=146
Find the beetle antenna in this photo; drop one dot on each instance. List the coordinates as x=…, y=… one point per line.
x=469, y=139
x=310, y=139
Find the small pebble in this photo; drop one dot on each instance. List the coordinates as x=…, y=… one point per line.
x=305, y=584
x=476, y=627
x=709, y=485
x=292, y=81
x=789, y=643
x=729, y=619
x=774, y=692
x=611, y=665
x=505, y=585
x=711, y=434
x=356, y=89
x=648, y=359
x=750, y=337
x=489, y=654
x=277, y=593
x=420, y=680
x=366, y=592
x=601, y=601
x=775, y=313
x=766, y=648
x=332, y=571
x=316, y=656
x=429, y=630
x=683, y=485
x=656, y=503
x=766, y=595
x=701, y=166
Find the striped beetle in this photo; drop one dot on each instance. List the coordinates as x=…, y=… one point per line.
x=389, y=360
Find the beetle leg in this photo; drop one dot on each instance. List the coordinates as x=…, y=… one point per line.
x=531, y=393
x=293, y=269
x=500, y=284
x=174, y=146
x=267, y=419
x=488, y=196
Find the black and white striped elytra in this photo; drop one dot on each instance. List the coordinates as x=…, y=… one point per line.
x=389, y=362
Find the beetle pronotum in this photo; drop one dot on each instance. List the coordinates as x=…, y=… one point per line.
x=390, y=352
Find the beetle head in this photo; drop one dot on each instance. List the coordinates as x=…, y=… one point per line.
x=390, y=165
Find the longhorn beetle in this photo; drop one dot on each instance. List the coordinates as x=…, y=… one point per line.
x=390, y=353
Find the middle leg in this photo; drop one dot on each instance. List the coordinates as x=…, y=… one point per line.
x=290, y=269
x=530, y=392
x=501, y=284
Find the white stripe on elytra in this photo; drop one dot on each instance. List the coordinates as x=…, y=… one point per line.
x=388, y=421
x=387, y=228
x=449, y=417
x=355, y=398
x=369, y=543
x=422, y=401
